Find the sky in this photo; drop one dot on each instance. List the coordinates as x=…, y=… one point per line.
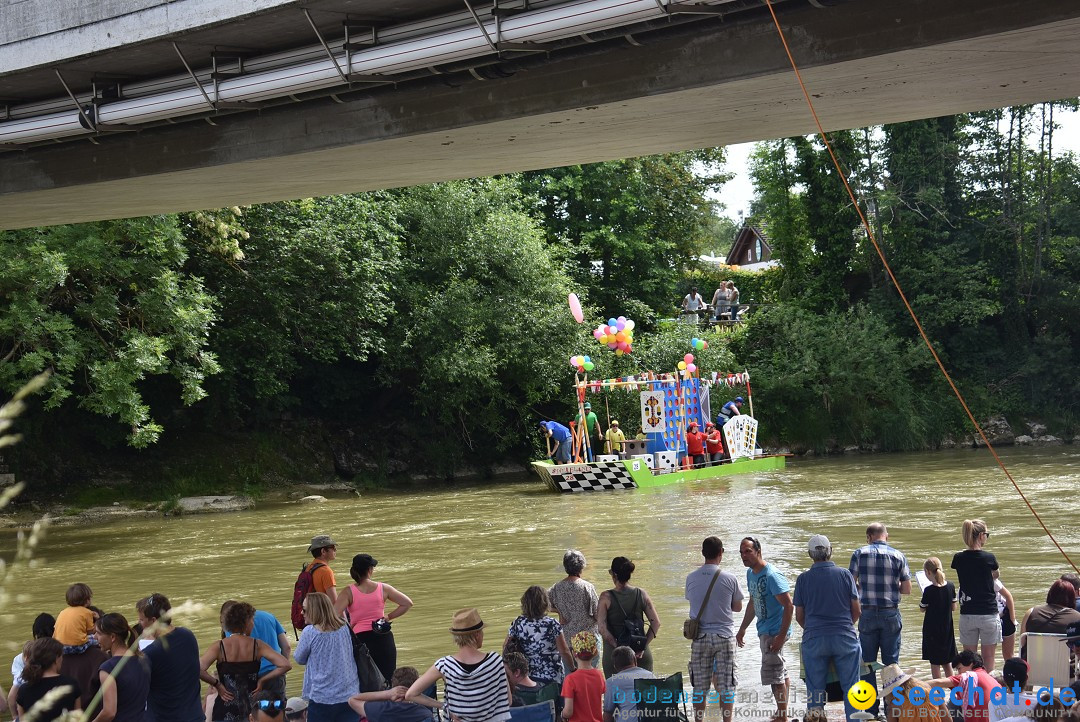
x=738, y=193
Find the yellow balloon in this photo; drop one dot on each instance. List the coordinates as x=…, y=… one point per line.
x=618, y=352
x=682, y=365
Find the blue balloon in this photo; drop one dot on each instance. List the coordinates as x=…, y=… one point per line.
x=612, y=322
x=693, y=341
x=587, y=359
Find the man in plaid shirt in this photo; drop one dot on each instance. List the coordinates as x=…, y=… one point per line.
x=882, y=575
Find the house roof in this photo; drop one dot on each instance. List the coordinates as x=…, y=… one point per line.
x=752, y=229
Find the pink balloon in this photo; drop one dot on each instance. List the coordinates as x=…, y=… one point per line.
x=575, y=307
x=613, y=346
x=597, y=333
x=622, y=345
x=688, y=358
x=691, y=368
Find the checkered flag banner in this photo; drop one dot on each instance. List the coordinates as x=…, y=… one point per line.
x=740, y=433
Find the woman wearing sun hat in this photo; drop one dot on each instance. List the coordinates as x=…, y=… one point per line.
x=475, y=682
x=893, y=678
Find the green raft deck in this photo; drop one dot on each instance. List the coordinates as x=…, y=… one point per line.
x=635, y=473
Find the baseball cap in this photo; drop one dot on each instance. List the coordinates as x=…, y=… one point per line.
x=295, y=705
x=819, y=540
x=588, y=406
x=738, y=399
x=1072, y=634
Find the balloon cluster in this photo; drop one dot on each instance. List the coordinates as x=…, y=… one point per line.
x=617, y=334
x=687, y=364
x=582, y=363
x=699, y=344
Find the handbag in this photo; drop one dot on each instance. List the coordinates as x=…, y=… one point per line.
x=367, y=672
x=690, y=626
x=633, y=631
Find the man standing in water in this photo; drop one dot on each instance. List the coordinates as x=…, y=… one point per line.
x=770, y=603
x=881, y=573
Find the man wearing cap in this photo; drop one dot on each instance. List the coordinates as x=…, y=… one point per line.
x=728, y=410
x=555, y=432
x=695, y=445
x=770, y=603
x=714, y=444
x=296, y=709
x=881, y=575
x=827, y=608
x=615, y=438
x=714, y=597
x=593, y=425
x=323, y=550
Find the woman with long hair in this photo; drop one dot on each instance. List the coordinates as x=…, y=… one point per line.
x=365, y=601
x=326, y=650
x=125, y=678
x=938, y=604
x=238, y=659
x=41, y=675
x=980, y=621
x=475, y=682
x=625, y=603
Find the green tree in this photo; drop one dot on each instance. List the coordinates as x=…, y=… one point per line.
x=631, y=226
x=104, y=306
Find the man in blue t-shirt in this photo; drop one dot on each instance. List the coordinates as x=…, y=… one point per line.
x=827, y=608
x=770, y=603
x=555, y=432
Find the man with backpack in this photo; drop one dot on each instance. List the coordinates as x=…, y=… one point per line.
x=316, y=576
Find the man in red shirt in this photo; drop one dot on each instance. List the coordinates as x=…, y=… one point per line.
x=714, y=443
x=695, y=445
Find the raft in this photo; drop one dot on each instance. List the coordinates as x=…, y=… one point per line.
x=635, y=473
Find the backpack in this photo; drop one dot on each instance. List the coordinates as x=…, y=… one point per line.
x=305, y=582
x=632, y=634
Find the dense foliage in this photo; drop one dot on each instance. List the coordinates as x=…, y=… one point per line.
x=431, y=322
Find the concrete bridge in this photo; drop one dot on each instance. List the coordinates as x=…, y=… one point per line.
x=690, y=77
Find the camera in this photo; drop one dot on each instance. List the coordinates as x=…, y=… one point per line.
x=380, y=626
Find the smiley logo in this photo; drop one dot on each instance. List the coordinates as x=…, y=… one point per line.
x=862, y=695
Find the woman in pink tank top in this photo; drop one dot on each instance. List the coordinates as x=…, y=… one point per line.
x=365, y=602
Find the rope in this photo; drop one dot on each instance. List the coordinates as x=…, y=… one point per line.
x=899, y=290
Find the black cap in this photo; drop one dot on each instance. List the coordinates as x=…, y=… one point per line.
x=364, y=561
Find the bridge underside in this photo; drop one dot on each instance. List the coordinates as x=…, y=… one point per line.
x=702, y=84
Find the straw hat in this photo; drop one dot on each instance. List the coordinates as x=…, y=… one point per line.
x=466, y=620
x=891, y=678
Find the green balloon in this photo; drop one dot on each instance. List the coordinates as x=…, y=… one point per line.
x=589, y=365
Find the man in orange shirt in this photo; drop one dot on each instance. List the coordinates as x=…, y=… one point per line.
x=323, y=550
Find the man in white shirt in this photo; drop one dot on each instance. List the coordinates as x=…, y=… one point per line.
x=712, y=653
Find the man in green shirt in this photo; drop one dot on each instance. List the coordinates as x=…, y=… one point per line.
x=594, y=429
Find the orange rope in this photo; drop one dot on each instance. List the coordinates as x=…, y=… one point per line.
x=896, y=285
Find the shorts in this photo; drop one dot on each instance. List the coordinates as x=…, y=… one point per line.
x=712, y=659
x=976, y=629
x=773, y=669
x=1008, y=628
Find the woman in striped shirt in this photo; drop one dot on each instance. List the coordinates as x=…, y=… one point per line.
x=475, y=682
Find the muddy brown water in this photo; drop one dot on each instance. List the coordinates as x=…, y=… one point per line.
x=482, y=545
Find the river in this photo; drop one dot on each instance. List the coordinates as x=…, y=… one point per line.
x=482, y=545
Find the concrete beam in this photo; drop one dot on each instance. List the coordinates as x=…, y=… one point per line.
x=705, y=84
x=36, y=33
